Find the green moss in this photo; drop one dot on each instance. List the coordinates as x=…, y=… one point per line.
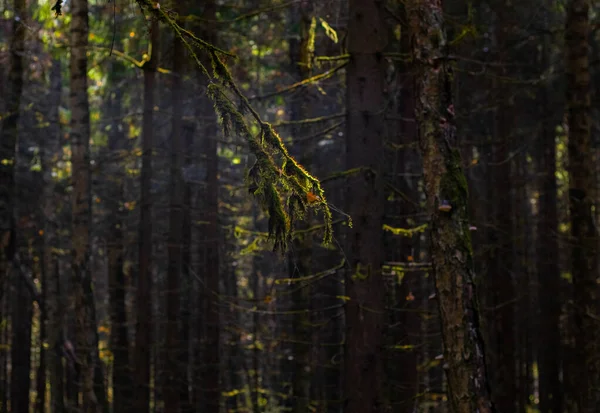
x=454, y=188
x=359, y=275
x=406, y=232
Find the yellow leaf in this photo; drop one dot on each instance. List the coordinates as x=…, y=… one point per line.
x=329, y=31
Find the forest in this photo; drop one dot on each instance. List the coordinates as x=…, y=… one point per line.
x=303, y=206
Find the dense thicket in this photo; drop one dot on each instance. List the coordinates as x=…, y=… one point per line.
x=263, y=206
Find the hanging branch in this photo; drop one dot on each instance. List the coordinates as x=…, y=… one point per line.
x=283, y=187
x=277, y=180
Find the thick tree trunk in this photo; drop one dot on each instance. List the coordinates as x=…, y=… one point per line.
x=447, y=202
x=81, y=204
x=365, y=103
x=584, y=259
x=144, y=325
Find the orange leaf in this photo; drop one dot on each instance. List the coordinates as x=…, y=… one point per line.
x=310, y=197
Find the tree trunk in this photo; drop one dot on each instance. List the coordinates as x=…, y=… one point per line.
x=81, y=203
x=300, y=255
x=52, y=302
x=548, y=268
x=584, y=261
x=119, y=340
x=365, y=105
x=210, y=239
x=447, y=202
x=175, y=242
x=8, y=142
x=144, y=326
x=186, y=288
x=20, y=355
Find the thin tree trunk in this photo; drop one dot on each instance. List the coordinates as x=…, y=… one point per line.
x=175, y=242
x=365, y=105
x=22, y=315
x=52, y=292
x=119, y=340
x=210, y=238
x=300, y=256
x=447, y=201
x=186, y=306
x=584, y=260
x=548, y=268
x=40, y=400
x=144, y=326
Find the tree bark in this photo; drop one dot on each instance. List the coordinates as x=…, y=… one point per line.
x=365, y=105
x=447, y=204
x=299, y=259
x=8, y=142
x=584, y=260
x=210, y=239
x=20, y=355
x=52, y=290
x=175, y=242
x=548, y=268
x=119, y=340
x=81, y=204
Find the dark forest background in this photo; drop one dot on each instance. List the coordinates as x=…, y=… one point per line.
x=261, y=206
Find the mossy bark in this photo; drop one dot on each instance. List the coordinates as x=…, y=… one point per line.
x=584, y=259
x=447, y=202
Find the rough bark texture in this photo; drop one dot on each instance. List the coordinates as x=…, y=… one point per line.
x=81, y=203
x=143, y=336
x=8, y=142
x=447, y=202
x=365, y=103
x=175, y=243
x=584, y=260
